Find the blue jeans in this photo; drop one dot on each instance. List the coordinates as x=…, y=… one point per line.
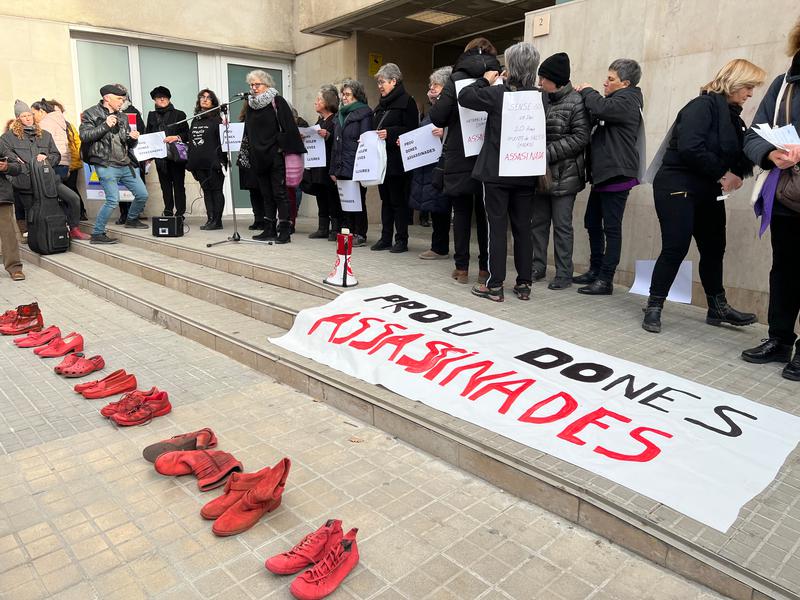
x=109, y=178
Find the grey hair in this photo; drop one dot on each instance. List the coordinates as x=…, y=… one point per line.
x=259, y=76
x=440, y=76
x=330, y=97
x=389, y=71
x=627, y=69
x=359, y=93
x=522, y=62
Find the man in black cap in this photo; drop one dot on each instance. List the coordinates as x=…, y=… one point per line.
x=567, y=138
x=172, y=169
x=107, y=144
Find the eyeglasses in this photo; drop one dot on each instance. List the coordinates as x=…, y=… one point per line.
x=205, y=97
x=258, y=85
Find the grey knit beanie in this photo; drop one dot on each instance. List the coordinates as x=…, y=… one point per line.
x=20, y=107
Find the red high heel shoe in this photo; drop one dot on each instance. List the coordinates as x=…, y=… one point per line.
x=59, y=346
x=38, y=338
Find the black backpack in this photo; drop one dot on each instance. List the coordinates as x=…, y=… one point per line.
x=48, y=232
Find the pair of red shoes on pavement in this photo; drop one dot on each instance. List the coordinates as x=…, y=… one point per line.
x=332, y=554
x=137, y=407
x=25, y=318
x=118, y=382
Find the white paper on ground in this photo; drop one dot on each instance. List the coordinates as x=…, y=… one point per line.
x=681, y=290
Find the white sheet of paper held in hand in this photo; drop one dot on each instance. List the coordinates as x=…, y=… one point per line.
x=315, y=155
x=150, y=145
x=522, y=135
x=420, y=147
x=349, y=195
x=681, y=290
x=778, y=136
x=235, y=134
x=473, y=123
x=367, y=164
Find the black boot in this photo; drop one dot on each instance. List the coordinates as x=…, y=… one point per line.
x=284, y=232
x=335, y=226
x=792, y=370
x=589, y=277
x=256, y=225
x=652, y=314
x=269, y=233
x=207, y=224
x=719, y=311
x=322, y=230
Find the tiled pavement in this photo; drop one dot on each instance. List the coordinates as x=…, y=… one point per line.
x=83, y=516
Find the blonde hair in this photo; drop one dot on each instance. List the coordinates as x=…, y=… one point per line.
x=18, y=129
x=794, y=39
x=737, y=74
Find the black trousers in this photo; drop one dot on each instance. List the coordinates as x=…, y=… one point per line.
x=440, y=232
x=603, y=222
x=72, y=183
x=272, y=185
x=504, y=203
x=784, y=283
x=257, y=202
x=463, y=209
x=328, y=205
x=211, y=182
x=394, y=208
x=171, y=177
x=357, y=222
x=683, y=215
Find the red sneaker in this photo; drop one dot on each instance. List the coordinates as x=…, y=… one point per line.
x=29, y=318
x=235, y=488
x=196, y=440
x=262, y=498
x=34, y=339
x=310, y=550
x=144, y=411
x=127, y=401
x=327, y=574
x=76, y=234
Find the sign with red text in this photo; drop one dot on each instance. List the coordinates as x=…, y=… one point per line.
x=473, y=123
x=522, y=135
x=698, y=450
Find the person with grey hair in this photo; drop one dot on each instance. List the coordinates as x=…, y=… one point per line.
x=395, y=115
x=506, y=198
x=615, y=159
x=271, y=132
x=329, y=209
x=353, y=119
x=425, y=196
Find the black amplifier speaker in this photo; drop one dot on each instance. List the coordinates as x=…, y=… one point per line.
x=167, y=226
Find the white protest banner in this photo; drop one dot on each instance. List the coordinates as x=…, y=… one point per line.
x=368, y=165
x=698, y=450
x=420, y=147
x=234, y=136
x=315, y=155
x=150, y=145
x=522, y=135
x=473, y=123
x=349, y=195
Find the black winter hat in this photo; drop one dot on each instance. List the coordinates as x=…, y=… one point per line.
x=113, y=88
x=160, y=92
x=556, y=69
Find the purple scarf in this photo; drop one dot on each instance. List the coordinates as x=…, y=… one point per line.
x=766, y=199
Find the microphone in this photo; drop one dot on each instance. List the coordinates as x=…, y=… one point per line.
x=242, y=95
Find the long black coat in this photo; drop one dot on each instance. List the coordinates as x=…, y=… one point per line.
x=320, y=175
x=397, y=113
x=345, y=141
x=567, y=138
x=26, y=149
x=457, y=167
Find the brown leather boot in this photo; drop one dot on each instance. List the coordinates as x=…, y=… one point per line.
x=211, y=467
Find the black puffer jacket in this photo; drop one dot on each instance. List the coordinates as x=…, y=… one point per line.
x=96, y=135
x=567, y=138
x=396, y=113
x=616, y=118
x=345, y=141
x=26, y=150
x=457, y=167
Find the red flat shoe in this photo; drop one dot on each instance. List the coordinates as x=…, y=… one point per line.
x=127, y=401
x=59, y=346
x=83, y=366
x=118, y=374
x=111, y=388
x=38, y=338
x=68, y=361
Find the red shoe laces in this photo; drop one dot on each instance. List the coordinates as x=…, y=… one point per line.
x=328, y=564
x=305, y=544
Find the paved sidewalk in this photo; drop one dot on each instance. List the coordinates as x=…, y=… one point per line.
x=83, y=516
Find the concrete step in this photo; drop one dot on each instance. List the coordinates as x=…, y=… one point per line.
x=520, y=470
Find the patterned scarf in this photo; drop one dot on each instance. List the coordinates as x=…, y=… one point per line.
x=263, y=99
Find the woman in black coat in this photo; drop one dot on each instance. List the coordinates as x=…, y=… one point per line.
x=206, y=158
x=329, y=209
x=395, y=115
x=271, y=133
x=702, y=160
x=464, y=192
x=353, y=119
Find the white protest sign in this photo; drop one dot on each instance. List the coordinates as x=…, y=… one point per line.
x=473, y=123
x=420, y=147
x=367, y=166
x=150, y=145
x=349, y=195
x=234, y=138
x=699, y=450
x=315, y=155
x=522, y=135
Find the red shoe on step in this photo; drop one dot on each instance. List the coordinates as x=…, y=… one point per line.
x=328, y=574
x=76, y=234
x=72, y=342
x=34, y=339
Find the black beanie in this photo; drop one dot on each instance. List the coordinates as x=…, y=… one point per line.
x=113, y=88
x=160, y=92
x=556, y=69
